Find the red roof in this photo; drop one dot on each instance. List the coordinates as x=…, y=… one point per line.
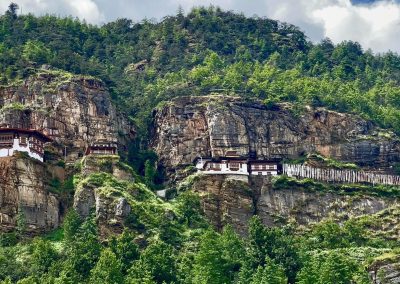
x=41, y=135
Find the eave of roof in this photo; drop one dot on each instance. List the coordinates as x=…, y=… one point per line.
x=27, y=131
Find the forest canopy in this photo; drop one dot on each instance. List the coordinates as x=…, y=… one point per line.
x=206, y=50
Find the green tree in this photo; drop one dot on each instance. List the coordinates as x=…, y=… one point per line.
x=271, y=273
x=108, y=269
x=156, y=263
x=36, y=51
x=12, y=10
x=219, y=257
x=43, y=255
x=71, y=225
x=125, y=249
x=331, y=268
x=149, y=173
x=188, y=204
x=278, y=244
x=82, y=252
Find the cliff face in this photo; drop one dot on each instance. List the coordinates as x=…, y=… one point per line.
x=226, y=201
x=189, y=127
x=24, y=188
x=73, y=110
x=385, y=271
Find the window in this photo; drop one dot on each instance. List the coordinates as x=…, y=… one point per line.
x=234, y=165
x=23, y=140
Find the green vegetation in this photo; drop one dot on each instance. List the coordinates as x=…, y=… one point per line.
x=13, y=106
x=145, y=64
x=206, y=52
x=326, y=253
x=285, y=182
x=170, y=242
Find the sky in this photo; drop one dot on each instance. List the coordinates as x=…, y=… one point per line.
x=373, y=23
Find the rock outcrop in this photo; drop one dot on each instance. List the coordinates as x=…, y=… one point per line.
x=110, y=209
x=24, y=190
x=73, y=110
x=385, y=270
x=190, y=127
x=226, y=201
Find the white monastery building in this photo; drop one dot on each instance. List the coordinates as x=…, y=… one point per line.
x=22, y=140
x=234, y=165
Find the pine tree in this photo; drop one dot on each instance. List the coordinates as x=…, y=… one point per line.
x=108, y=269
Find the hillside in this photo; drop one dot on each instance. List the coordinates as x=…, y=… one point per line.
x=130, y=108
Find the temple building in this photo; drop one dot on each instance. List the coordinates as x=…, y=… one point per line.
x=223, y=166
x=22, y=140
x=102, y=147
x=263, y=168
x=233, y=163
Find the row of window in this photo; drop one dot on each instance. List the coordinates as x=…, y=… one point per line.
x=237, y=166
x=36, y=148
x=6, y=139
x=102, y=151
x=263, y=167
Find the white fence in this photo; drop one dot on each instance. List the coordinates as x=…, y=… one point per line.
x=345, y=176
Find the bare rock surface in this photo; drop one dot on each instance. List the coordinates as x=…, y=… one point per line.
x=190, y=127
x=73, y=110
x=226, y=201
x=385, y=271
x=24, y=189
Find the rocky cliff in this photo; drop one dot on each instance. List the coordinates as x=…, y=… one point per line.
x=109, y=208
x=229, y=201
x=189, y=127
x=73, y=110
x=385, y=270
x=24, y=189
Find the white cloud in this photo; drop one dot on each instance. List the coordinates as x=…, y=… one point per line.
x=83, y=9
x=375, y=26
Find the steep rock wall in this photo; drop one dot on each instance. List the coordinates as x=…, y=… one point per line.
x=73, y=110
x=190, y=127
x=23, y=188
x=226, y=201
x=232, y=202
